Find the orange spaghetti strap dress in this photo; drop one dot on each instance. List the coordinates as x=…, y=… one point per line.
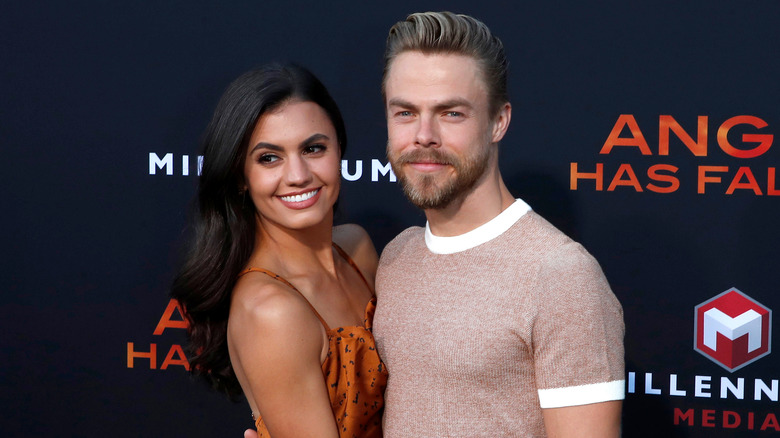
x=354, y=374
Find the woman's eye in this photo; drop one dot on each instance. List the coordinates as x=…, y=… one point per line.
x=314, y=148
x=267, y=158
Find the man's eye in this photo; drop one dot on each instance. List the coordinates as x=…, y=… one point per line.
x=404, y=113
x=453, y=114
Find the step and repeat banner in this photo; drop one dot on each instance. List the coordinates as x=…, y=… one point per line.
x=645, y=130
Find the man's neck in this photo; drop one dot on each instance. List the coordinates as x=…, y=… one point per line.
x=477, y=207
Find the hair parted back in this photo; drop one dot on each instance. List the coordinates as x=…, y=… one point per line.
x=449, y=33
x=225, y=223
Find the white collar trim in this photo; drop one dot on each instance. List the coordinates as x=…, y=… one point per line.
x=483, y=233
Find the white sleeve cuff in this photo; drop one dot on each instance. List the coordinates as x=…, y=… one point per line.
x=583, y=394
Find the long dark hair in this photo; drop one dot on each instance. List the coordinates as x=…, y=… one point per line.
x=224, y=226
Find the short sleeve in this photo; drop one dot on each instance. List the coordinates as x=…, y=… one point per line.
x=577, y=332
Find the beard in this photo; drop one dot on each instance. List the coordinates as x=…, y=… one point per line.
x=429, y=191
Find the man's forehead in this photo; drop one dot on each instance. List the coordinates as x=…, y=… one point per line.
x=416, y=62
x=447, y=76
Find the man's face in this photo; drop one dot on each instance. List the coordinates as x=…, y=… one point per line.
x=439, y=128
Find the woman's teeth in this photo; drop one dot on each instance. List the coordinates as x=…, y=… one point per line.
x=299, y=198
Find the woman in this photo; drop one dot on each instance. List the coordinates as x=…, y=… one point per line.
x=277, y=299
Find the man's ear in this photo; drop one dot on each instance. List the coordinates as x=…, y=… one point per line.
x=501, y=122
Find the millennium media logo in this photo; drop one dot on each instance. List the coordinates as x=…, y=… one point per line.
x=733, y=330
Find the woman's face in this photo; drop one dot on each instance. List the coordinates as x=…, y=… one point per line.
x=292, y=169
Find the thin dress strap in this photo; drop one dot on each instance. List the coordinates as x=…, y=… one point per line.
x=353, y=264
x=278, y=277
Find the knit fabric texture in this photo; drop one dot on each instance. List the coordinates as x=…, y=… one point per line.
x=477, y=342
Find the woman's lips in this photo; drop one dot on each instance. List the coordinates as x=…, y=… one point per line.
x=302, y=200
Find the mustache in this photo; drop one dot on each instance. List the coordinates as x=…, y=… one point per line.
x=426, y=155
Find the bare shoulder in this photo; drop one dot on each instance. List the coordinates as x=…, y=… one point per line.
x=353, y=239
x=350, y=237
x=277, y=346
x=263, y=304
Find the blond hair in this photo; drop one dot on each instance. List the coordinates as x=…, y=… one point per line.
x=449, y=33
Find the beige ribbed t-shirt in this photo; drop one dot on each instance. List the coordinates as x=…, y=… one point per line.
x=483, y=333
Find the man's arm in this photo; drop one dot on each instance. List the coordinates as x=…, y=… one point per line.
x=578, y=349
x=595, y=420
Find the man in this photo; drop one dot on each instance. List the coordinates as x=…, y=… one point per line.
x=491, y=322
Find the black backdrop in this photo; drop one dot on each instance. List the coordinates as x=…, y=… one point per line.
x=99, y=101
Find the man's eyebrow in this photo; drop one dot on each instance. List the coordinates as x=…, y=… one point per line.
x=400, y=103
x=452, y=103
x=449, y=103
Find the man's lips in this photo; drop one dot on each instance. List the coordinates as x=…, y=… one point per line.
x=425, y=160
x=426, y=166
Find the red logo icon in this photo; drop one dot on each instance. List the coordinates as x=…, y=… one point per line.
x=732, y=329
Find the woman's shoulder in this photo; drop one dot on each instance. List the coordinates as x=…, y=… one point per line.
x=260, y=301
x=272, y=331
x=349, y=236
x=356, y=242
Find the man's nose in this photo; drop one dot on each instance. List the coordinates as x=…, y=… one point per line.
x=427, y=132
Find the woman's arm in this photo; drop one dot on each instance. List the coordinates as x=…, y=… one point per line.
x=276, y=346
